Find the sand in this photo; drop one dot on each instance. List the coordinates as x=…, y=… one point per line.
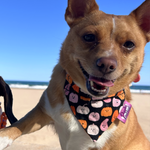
x=46, y=138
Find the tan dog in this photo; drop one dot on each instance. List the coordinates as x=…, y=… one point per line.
x=103, y=54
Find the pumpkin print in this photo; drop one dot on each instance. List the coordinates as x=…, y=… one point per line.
x=83, y=123
x=111, y=95
x=96, y=104
x=66, y=89
x=121, y=95
x=93, y=129
x=104, y=125
x=73, y=98
x=120, y=109
x=76, y=88
x=68, y=78
x=73, y=110
x=107, y=100
x=106, y=112
x=94, y=116
x=84, y=98
x=83, y=110
x=116, y=102
x=114, y=116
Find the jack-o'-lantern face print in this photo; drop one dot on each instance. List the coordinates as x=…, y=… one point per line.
x=95, y=115
x=106, y=112
x=83, y=123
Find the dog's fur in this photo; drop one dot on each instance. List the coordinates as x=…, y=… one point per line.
x=113, y=41
x=5, y=92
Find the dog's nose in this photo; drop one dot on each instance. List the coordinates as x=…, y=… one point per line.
x=106, y=65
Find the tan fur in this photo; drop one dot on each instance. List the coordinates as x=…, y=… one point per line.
x=56, y=85
x=110, y=37
x=33, y=121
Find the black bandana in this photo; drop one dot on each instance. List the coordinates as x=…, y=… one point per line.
x=95, y=116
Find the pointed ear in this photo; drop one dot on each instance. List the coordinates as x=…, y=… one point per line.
x=142, y=15
x=79, y=8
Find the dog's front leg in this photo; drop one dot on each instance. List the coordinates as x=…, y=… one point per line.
x=33, y=121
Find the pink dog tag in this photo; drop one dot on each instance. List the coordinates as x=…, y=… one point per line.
x=123, y=115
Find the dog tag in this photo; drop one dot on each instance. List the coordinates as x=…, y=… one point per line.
x=123, y=115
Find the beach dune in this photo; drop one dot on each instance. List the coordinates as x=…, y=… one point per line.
x=46, y=138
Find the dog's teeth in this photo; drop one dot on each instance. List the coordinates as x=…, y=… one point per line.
x=96, y=90
x=91, y=83
x=102, y=91
x=99, y=91
x=93, y=88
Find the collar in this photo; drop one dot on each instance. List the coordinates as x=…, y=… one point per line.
x=3, y=118
x=94, y=115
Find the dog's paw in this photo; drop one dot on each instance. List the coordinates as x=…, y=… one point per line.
x=5, y=142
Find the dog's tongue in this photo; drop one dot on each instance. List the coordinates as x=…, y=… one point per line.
x=137, y=78
x=101, y=81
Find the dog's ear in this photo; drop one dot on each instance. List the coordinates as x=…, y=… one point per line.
x=79, y=8
x=142, y=15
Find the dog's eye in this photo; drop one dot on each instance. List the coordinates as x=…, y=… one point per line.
x=129, y=45
x=89, y=37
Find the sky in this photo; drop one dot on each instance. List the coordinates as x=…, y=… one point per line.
x=32, y=32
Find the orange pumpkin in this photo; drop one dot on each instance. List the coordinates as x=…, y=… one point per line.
x=85, y=99
x=115, y=115
x=111, y=95
x=68, y=78
x=73, y=109
x=76, y=88
x=121, y=95
x=83, y=123
x=107, y=111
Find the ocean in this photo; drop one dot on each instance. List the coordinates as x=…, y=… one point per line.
x=27, y=84
x=43, y=85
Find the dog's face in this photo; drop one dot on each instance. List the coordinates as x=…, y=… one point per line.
x=103, y=53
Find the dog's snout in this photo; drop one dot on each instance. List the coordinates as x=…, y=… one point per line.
x=106, y=65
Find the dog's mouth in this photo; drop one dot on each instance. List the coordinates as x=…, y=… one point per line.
x=97, y=86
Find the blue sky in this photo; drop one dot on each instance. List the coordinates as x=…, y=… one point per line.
x=32, y=31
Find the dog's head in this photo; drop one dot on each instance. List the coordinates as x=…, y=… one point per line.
x=104, y=53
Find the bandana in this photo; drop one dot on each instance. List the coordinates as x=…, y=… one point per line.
x=94, y=115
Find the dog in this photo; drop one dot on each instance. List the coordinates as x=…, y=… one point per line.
x=5, y=92
x=89, y=87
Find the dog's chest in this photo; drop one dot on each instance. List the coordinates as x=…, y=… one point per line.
x=71, y=134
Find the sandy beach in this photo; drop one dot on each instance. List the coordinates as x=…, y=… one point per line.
x=46, y=138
